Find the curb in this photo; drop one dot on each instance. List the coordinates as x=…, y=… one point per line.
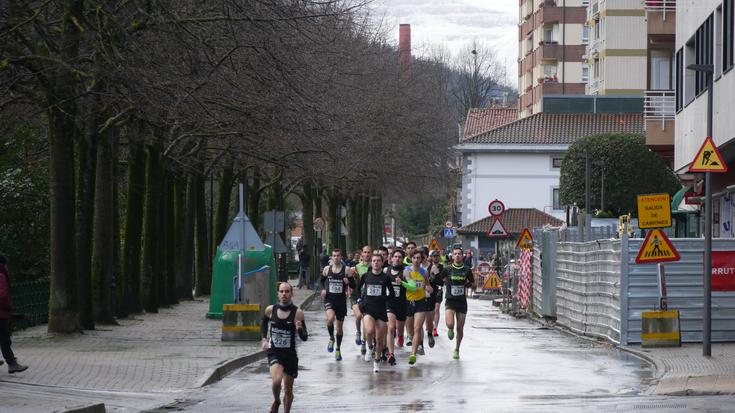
x=92, y=408
x=225, y=367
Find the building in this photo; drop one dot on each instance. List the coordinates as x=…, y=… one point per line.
x=551, y=46
x=704, y=35
x=519, y=163
x=481, y=120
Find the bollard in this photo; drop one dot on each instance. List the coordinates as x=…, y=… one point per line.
x=241, y=322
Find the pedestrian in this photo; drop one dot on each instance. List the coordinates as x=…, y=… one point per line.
x=278, y=329
x=378, y=289
x=418, y=287
x=468, y=259
x=6, y=307
x=457, y=278
x=304, y=265
x=410, y=248
x=335, y=280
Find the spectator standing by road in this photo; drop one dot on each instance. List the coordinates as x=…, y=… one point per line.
x=6, y=306
x=304, y=265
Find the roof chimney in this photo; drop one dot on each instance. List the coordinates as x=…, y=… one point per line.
x=404, y=50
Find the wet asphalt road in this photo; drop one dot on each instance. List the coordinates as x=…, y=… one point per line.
x=507, y=365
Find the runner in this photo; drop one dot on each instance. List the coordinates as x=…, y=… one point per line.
x=435, y=298
x=356, y=297
x=378, y=288
x=457, y=277
x=335, y=280
x=416, y=292
x=396, y=304
x=278, y=332
x=410, y=249
x=384, y=254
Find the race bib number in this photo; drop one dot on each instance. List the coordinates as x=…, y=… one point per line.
x=336, y=287
x=374, y=290
x=457, y=290
x=281, y=340
x=397, y=290
x=419, y=285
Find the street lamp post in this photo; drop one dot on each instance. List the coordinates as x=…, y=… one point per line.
x=707, y=310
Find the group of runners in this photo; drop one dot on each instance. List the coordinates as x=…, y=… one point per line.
x=393, y=294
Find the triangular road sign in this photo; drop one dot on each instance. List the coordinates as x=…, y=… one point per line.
x=708, y=159
x=433, y=245
x=497, y=229
x=656, y=248
x=525, y=241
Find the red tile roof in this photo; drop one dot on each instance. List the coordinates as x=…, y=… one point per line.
x=514, y=220
x=481, y=120
x=561, y=128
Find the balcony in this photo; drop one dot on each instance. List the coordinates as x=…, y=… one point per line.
x=661, y=16
x=659, y=105
x=594, y=9
x=660, y=5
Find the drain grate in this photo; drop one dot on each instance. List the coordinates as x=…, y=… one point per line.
x=659, y=406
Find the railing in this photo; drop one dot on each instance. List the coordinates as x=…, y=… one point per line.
x=594, y=8
x=30, y=298
x=660, y=6
x=659, y=105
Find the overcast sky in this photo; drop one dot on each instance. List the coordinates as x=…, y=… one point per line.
x=455, y=23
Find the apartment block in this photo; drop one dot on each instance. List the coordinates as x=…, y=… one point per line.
x=551, y=43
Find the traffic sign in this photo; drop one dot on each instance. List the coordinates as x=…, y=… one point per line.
x=433, y=245
x=708, y=159
x=448, y=232
x=496, y=208
x=656, y=248
x=654, y=211
x=448, y=224
x=525, y=241
x=497, y=230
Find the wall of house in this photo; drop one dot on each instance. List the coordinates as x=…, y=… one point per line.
x=691, y=124
x=519, y=180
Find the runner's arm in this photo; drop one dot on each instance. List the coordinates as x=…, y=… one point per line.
x=301, y=325
x=264, y=326
x=388, y=284
x=472, y=280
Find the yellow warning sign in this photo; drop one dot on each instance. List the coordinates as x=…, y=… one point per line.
x=708, y=159
x=654, y=211
x=656, y=248
x=525, y=241
x=434, y=246
x=492, y=282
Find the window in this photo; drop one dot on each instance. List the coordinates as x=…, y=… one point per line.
x=555, y=199
x=585, y=34
x=556, y=162
x=660, y=70
x=549, y=34
x=703, y=49
x=585, y=72
x=596, y=66
x=679, y=79
x=728, y=31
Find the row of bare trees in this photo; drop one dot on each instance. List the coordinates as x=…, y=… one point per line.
x=142, y=101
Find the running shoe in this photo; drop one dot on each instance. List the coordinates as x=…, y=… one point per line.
x=384, y=355
x=376, y=366
x=420, y=350
x=391, y=359
x=363, y=348
x=408, y=341
x=330, y=345
x=435, y=333
x=412, y=359
x=358, y=338
x=431, y=341
x=400, y=341
x=369, y=355
x=455, y=355
x=338, y=355
x=450, y=334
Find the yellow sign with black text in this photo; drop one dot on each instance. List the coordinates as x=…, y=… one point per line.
x=654, y=211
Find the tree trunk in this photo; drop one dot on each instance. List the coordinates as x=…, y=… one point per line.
x=161, y=261
x=102, y=261
x=171, y=240
x=221, y=215
x=333, y=220
x=253, y=199
x=307, y=234
x=186, y=275
x=63, y=302
x=203, y=272
x=350, y=240
x=148, y=293
x=85, y=172
x=133, y=225
x=118, y=296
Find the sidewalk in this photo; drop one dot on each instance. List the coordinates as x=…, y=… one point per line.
x=173, y=350
x=684, y=371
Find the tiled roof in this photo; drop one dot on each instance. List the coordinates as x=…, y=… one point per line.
x=560, y=128
x=481, y=120
x=514, y=220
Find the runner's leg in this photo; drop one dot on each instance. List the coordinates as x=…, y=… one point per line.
x=288, y=392
x=369, y=324
x=391, y=332
x=460, y=328
x=381, y=330
x=276, y=378
x=339, y=333
x=418, y=330
x=449, y=319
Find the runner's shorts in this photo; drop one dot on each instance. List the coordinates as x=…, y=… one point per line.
x=377, y=314
x=286, y=358
x=439, y=295
x=459, y=306
x=339, y=307
x=398, y=310
x=414, y=307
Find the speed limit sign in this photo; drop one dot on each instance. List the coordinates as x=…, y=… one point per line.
x=496, y=208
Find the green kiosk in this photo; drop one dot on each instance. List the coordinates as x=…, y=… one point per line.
x=240, y=252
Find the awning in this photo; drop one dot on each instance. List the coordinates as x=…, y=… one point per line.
x=678, y=204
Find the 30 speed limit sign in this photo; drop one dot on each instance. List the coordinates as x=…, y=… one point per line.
x=496, y=208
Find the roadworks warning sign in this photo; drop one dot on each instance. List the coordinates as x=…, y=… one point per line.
x=657, y=248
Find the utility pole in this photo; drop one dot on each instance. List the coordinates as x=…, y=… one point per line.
x=587, y=236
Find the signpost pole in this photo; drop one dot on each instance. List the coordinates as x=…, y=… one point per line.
x=707, y=328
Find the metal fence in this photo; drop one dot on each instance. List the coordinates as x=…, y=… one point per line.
x=30, y=298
